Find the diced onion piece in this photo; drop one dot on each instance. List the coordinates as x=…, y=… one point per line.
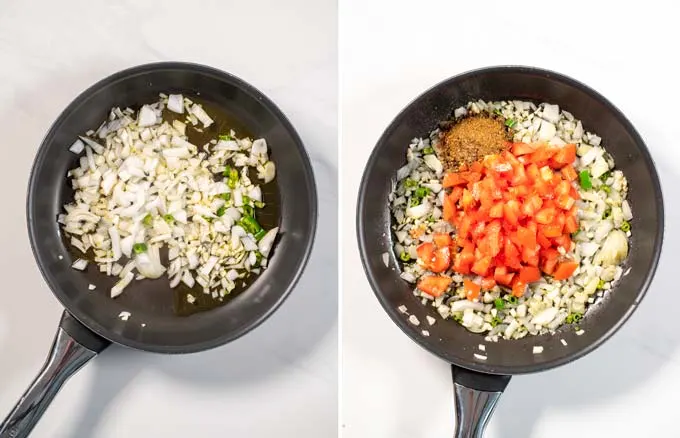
x=176, y=103
x=117, y=289
x=77, y=147
x=80, y=264
x=265, y=244
x=147, y=116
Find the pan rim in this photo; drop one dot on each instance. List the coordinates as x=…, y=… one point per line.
x=527, y=368
x=307, y=171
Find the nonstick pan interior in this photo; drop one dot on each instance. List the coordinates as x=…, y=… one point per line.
x=153, y=325
x=449, y=340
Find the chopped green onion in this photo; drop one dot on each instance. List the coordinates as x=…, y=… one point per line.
x=573, y=318
x=260, y=234
x=208, y=219
x=495, y=321
x=139, y=248
x=458, y=318
x=510, y=123
x=606, y=189
x=414, y=202
x=259, y=204
x=246, y=199
x=221, y=211
x=251, y=225
x=248, y=211
x=404, y=256
x=605, y=176
x=607, y=213
x=232, y=176
x=600, y=284
x=499, y=303
x=148, y=220
x=512, y=299
x=225, y=137
x=421, y=192
x=497, y=112
x=409, y=183
x=625, y=226
x=226, y=196
x=428, y=151
x=169, y=218
x=584, y=178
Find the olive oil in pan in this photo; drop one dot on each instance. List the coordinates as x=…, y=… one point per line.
x=156, y=295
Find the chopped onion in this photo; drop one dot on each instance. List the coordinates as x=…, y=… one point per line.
x=176, y=103
x=117, y=289
x=77, y=147
x=266, y=243
x=80, y=264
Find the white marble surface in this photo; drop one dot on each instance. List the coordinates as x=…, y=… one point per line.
x=279, y=380
x=390, y=54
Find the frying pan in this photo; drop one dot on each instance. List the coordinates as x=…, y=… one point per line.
x=91, y=320
x=478, y=384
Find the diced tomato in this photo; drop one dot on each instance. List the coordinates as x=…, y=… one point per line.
x=452, y=179
x=456, y=194
x=531, y=205
x=488, y=283
x=569, y=173
x=570, y=224
x=526, y=238
x=529, y=274
x=471, y=176
x=519, y=176
x=449, y=209
x=564, y=270
x=565, y=155
x=502, y=276
x=543, y=154
x=530, y=255
x=472, y=289
x=467, y=201
x=511, y=212
x=481, y=266
x=564, y=241
x=511, y=255
x=496, y=211
x=522, y=149
x=434, y=285
x=476, y=167
x=441, y=260
x=543, y=240
x=565, y=202
x=518, y=287
x=545, y=216
x=551, y=230
x=549, y=258
x=465, y=227
x=442, y=240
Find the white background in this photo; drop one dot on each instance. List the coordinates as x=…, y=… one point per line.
x=279, y=380
x=390, y=54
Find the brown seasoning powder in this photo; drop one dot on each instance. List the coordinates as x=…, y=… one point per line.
x=471, y=139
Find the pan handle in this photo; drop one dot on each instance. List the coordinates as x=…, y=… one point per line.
x=74, y=345
x=476, y=395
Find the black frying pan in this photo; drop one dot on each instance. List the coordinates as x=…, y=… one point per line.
x=158, y=322
x=479, y=383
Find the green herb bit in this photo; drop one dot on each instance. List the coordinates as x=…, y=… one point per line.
x=251, y=225
x=226, y=196
x=600, y=284
x=220, y=211
x=248, y=211
x=606, y=189
x=225, y=137
x=428, y=151
x=495, y=321
x=404, y=256
x=246, y=199
x=458, y=318
x=259, y=204
x=414, y=202
x=605, y=176
x=512, y=299
x=584, y=178
x=169, y=218
x=573, y=318
x=607, y=213
x=421, y=192
x=625, y=226
x=208, y=219
x=510, y=123
x=499, y=303
x=260, y=234
x=139, y=248
x=409, y=183
x=227, y=171
x=497, y=112
x=148, y=220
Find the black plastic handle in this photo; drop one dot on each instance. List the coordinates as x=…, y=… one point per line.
x=476, y=396
x=74, y=345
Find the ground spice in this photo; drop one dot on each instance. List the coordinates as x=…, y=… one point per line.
x=472, y=138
